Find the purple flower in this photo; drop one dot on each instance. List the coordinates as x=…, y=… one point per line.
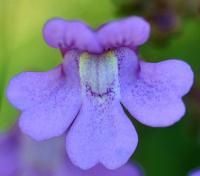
x=83, y=95
x=195, y=172
x=19, y=155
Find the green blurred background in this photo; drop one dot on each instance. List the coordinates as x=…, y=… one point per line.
x=169, y=151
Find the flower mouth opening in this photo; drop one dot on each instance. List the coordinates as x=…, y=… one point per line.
x=65, y=49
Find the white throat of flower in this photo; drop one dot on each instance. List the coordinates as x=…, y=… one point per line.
x=99, y=76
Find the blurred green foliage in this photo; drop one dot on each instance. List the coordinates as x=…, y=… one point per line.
x=169, y=151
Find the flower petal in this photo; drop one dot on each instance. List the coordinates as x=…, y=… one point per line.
x=60, y=33
x=28, y=89
x=50, y=101
x=106, y=137
x=129, y=32
x=101, y=132
x=153, y=93
x=67, y=35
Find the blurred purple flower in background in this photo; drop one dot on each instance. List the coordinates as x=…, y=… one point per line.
x=21, y=156
x=195, y=172
x=101, y=70
x=9, y=154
